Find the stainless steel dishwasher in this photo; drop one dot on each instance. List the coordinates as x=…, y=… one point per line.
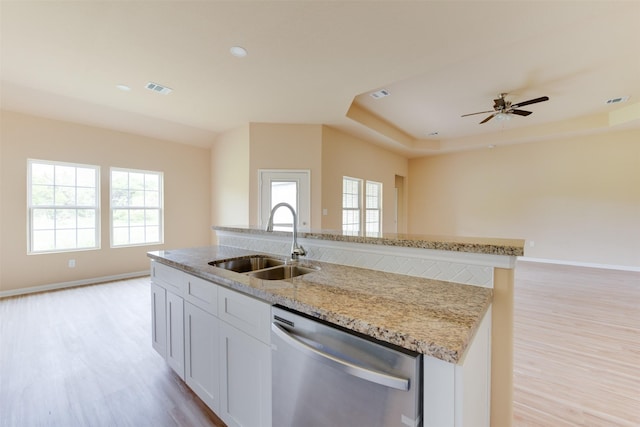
x=327, y=377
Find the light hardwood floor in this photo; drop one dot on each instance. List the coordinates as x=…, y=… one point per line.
x=83, y=357
x=576, y=346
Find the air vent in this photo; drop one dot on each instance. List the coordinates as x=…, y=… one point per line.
x=617, y=100
x=380, y=94
x=155, y=87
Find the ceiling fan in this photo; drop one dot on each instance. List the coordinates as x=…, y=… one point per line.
x=502, y=107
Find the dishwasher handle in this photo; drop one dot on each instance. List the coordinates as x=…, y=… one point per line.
x=377, y=377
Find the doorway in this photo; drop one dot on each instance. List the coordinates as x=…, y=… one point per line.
x=289, y=186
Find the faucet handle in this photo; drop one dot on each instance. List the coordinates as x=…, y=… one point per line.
x=297, y=251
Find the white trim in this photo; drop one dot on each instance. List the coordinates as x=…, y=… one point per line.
x=580, y=264
x=63, y=285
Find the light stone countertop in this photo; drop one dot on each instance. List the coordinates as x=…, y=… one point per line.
x=431, y=317
x=480, y=245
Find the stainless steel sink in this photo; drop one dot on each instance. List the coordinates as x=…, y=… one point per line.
x=248, y=263
x=263, y=267
x=282, y=272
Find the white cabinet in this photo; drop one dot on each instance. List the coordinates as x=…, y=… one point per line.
x=175, y=333
x=217, y=340
x=245, y=380
x=460, y=395
x=159, y=319
x=202, y=361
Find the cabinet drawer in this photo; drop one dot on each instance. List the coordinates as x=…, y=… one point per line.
x=248, y=314
x=170, y=278
x=202, y=294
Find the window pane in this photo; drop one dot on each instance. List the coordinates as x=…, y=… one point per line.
x=42, y=195
x=65, y=196
x=70, y=193
x=119, y=197
x=152, y=182
x=152, y=199
x=43, y=219
x=86, y=218
x=86, y=177
x=65, y=175
x=136, y=198
x=86, y=238
x=43, y=240
x=120, y=236
x=42, y=173
x=136, y=181
x=120, y=217
x=152, y=217
x=65, y=219
x=136, y=235
x=119, y=180
x=132, y=194
x=66, y=239
x=86, y=196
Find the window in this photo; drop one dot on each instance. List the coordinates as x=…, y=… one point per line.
x=136, y=207
x=354, y=215
x=63, y=206
x=351, y=189
x=373, y=216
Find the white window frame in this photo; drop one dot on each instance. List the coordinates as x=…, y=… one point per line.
x=362, y=210
x=59, y=189
x=371, y=228
x=356, y=211
x=113, y=214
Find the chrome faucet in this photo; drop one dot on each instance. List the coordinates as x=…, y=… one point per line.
x=296, y=249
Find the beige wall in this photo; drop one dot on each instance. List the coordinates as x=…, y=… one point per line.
x=345, y=155
x=577, y=199
x=186, y=186
x=230, y=178
x=286, y=146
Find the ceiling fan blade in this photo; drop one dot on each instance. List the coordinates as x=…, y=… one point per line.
x=480, y=112
x=529, y=102
x=520, y=112
x=487, y=119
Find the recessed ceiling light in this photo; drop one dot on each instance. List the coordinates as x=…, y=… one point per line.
x=124, y=88
x=238, y=51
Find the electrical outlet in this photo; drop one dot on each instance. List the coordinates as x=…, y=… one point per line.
x=532, y=243
x=72, y=263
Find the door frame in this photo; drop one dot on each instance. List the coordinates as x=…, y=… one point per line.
x=303, y=176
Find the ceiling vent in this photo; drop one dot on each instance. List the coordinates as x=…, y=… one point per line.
x=380, y=94
x=617, y=100
x=155, y=87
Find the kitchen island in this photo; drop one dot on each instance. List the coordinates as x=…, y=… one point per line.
x=438, y=318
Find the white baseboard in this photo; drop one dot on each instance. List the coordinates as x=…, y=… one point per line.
x=580, y=264
x=54, y=286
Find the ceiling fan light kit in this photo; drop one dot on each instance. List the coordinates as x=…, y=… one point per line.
x=502, y=109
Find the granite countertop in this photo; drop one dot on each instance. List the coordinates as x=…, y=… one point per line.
x=431, y=317
x=480, y=245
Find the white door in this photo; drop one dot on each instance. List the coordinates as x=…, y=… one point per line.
x=289, y=186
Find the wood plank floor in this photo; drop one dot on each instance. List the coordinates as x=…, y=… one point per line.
x=83, y=357
x=576, y=346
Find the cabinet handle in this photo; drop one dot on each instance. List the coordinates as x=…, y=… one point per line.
x=371, y=375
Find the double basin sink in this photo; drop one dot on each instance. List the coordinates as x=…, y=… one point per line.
x=263, y=267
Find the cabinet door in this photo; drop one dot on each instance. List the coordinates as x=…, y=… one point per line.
x=159, y=320
x=202, y=355
x=175, y=333
x=245, y=379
